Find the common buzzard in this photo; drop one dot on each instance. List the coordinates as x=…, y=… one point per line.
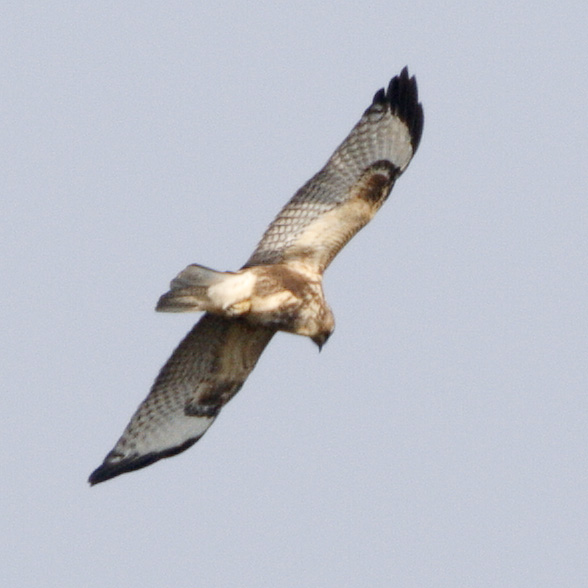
x=278, y=289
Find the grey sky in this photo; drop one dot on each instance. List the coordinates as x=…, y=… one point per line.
x=440, y=437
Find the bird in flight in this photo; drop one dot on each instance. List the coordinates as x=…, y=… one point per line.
x=278, y=289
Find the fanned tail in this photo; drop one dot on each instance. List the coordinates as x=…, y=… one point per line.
x=189, y=290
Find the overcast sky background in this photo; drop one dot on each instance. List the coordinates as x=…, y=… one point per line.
x=440, y=439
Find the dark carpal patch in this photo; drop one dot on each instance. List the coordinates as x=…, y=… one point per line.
x=377, y=182
x=196, y=409
x=209, y=402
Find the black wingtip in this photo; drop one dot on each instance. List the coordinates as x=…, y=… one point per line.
x=403, y=97
x=108, y=471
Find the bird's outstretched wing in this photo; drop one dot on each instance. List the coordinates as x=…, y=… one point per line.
x=341, y=198
x=206, y=370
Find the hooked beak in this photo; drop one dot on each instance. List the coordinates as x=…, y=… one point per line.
x=321, y=339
